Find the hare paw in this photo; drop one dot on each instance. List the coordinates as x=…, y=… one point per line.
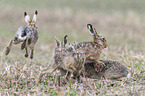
x=26, y=55
x=31, y=57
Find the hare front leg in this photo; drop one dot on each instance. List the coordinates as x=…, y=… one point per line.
x=63, y=72
x=31, y=56
x=98, y=65
x=23, y=45
x=26, y=54
x=8, y=48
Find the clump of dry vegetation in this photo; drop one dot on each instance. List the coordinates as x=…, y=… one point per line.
x=121, y=22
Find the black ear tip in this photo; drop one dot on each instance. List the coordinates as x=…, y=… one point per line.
x=65, y=40
x=36, y=12
x=89, y=26
x=65, y=36
x=25, y=13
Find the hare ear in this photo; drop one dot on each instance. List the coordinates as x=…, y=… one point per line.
x=91, y=30
x=57, y=42
x=95, y=32
x=65, y=40
x=27, y=17
x=35, y=15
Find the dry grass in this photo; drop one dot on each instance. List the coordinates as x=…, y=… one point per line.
x=20, y=77
x=121, y=22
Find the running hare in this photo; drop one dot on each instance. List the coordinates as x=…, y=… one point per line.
x=27, y=35
x=112, y=70
x=65, y=59
x=92, y=49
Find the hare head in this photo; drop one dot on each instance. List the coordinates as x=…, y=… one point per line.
x=29, y=21
x=63, y=46
x=97, y=40
x=60, y=46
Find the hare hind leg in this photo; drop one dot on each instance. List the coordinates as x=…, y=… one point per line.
x=47, y=70
x=8, y=48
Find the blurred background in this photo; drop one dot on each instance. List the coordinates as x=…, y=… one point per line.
x=121, y=22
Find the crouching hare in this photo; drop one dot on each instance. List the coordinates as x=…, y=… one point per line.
x=114, y=70
x=26, y=35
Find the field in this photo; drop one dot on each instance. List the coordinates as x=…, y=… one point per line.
x=121, y=22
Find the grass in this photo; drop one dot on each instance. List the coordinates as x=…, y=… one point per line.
x=121, y=22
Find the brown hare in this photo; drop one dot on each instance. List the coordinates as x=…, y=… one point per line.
x=92, y=49
x=65, y=59
x=70, y=58
x=27, y=35
x=112, y=70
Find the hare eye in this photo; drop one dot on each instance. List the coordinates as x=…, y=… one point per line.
x=16, y=38
x=103, y=39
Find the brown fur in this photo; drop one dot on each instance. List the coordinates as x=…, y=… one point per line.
x=92, y=49
x=66, y=60
x=112, y=70
x=71, y=57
